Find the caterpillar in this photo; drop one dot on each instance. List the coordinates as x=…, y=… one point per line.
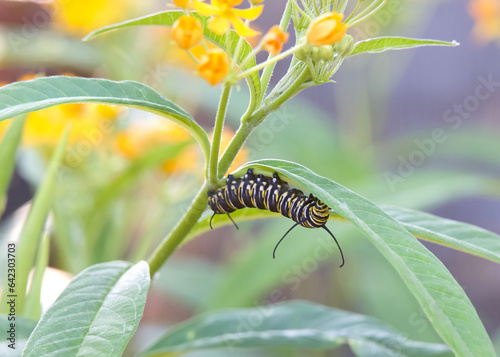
x=274, y=195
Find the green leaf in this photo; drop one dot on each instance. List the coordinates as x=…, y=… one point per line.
x=168, y=18
x=31, y=233
x=440, y=296
x=382, y=44
x=291, y=325
x=23, y=328
x=96, y=315
x=8, y=148
x=457, y=235
x=27, y=96
x=449, y=233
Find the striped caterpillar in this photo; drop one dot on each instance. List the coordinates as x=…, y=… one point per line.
x=273, y=194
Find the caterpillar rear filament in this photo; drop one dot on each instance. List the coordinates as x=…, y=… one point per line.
x=274, y=195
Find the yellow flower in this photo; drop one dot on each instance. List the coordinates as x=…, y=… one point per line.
x=224, y=15
x=326, y=29
x=90, y=123
x=80, y=17
x=274, y=39
x=486, y=13
x=187, y=31
x=213, y=66
x=140, y=138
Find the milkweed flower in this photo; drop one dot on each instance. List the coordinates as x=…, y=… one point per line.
x=274, y=39
x=326, y=29
x=486, y=14
x=80, y=17
x=224, y=15
x=213, y=66
x=187, y=31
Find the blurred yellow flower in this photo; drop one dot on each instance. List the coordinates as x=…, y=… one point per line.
x=224, y=15
x=140, y=138
x=89, y=122
x=81, y=17
x=486, y=14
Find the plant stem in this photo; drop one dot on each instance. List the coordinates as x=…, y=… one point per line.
x=247, y=126
x=177, y=235
x=271, y=60
x=217, y=134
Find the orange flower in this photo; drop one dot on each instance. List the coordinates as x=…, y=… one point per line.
x=274, y=39
x=187, y=31
x=486, y=13
x=326, y=29
x=224, y=15
x=213, y=66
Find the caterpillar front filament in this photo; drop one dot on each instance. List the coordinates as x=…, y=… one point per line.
x=270, y=193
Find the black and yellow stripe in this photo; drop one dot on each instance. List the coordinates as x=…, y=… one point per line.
x=273, y=194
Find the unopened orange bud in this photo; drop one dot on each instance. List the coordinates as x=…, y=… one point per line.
x=274, y=39
x=256, y=2
x=187, y=31
x=213, y=66
x=326, y=29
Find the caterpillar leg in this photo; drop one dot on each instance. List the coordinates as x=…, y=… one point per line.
x=233, y=221
x=211, y=218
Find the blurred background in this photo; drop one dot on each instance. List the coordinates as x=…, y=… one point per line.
x=418, y=129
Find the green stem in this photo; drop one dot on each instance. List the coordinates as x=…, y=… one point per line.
x=366, y=13
x=217, y=134
x=177, y=235
x=254, y=120
x=271, y=60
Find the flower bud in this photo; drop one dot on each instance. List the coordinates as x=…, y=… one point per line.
x=187, y=31
x=326, y=29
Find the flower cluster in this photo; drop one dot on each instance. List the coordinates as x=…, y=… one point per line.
x=214, y=64
x=219, y=17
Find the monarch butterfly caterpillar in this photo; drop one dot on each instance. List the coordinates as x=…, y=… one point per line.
x=274, y=195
